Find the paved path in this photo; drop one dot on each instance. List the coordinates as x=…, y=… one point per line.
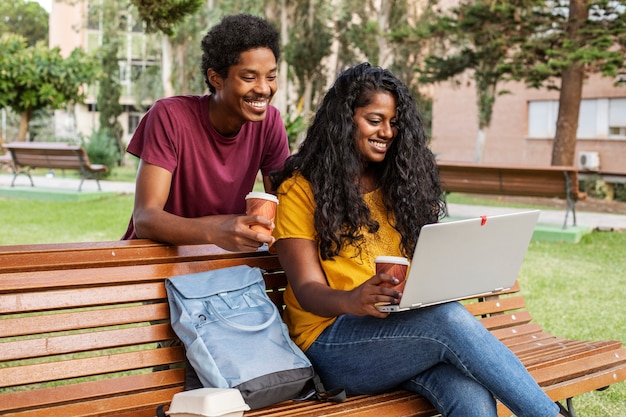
x=58, y=182
x=601, y=221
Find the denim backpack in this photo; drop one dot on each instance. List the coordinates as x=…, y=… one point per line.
x=234, y=335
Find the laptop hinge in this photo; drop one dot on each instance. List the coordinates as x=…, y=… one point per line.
x=416, y=305
x=498, y=289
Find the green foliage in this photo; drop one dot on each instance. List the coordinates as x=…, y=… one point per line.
x=163, y=15
x=620, y=192
x=596, y=39
x=102, y=149
x=477, y=36
x=148, y=87
x=308, y=45
x=294, y=126
x=187, y=76
x=109, y=94
x=25, y=18
x=33, y=78
x=109, y=88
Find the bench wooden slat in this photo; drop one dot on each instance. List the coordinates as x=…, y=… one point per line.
x=498, y=306
x=128, y=273
x=506, y=320
x=90, y=390
x=73, y=343
x=587, y=383
x=508, y=334
x=527, y=337
x=548, y=356
x=107, y=254
x=398, y=403
x=580, y=367
x=27, y=325
x=84, y=367
x=84, y=297
x=140, y=404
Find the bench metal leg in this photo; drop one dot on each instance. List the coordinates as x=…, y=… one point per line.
x=32, y=184
x=569, y=411
x=571, y=204
x=80, y=186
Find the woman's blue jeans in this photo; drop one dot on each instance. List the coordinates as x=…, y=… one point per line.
x=441, y=352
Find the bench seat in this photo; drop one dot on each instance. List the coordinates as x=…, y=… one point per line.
x=82, y=324
x=527, y=181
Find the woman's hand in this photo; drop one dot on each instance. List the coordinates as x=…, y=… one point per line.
x=365, y=298
x=300, y=260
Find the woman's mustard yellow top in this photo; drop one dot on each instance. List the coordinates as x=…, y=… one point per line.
x=294, y=219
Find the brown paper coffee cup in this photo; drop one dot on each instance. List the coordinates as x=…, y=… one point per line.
x=261, y=204
x=393, y=265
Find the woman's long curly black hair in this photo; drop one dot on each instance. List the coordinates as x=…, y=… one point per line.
x=328, y=158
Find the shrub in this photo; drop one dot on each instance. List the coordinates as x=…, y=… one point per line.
x=102, y=149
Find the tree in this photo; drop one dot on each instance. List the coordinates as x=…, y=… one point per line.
x=25, y=18
x=309, y=43
x=33, y=78
x=478, y=36
x=573, y=39
x=163, y=16
x=109, y=93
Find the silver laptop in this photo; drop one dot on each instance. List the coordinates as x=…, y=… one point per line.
x=466, y=258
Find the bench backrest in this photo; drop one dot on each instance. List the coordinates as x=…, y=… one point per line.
x=85, y=327
x=549, y=181
x=48, y=155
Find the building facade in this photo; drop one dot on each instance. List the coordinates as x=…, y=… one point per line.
x=524, y=122
x=76, y=25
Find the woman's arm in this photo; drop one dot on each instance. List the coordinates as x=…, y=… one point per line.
x=299, y=259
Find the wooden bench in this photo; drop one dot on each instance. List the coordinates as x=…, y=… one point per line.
x=528, y=181
x=82, y=325
x=52, y=155
x=5, y=159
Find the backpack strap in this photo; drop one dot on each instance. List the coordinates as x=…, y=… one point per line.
x=160, y=412
x=318, y=393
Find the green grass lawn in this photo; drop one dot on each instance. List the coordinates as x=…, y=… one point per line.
x=576, y=291
x=572, y=290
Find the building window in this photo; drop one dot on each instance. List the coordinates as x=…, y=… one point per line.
x=134, y=117
x=617, y=118
x=598, y=118
x=542, y=117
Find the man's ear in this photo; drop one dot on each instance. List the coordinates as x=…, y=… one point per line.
x=214, y=78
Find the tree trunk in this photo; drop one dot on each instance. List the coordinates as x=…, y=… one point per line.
x=182, y=70
x=564, y=146
x=166, y=66
x=480, y=145
x=385, y=54
x=25, y=117
x=280, y=99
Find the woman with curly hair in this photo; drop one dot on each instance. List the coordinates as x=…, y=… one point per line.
x=362, y=184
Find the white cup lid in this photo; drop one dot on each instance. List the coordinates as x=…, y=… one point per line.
x=264, y=196
x=391, y=260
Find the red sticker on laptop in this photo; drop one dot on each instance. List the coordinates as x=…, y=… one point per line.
x=483, y=220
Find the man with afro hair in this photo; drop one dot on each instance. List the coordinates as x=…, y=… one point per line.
x=200, y=154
